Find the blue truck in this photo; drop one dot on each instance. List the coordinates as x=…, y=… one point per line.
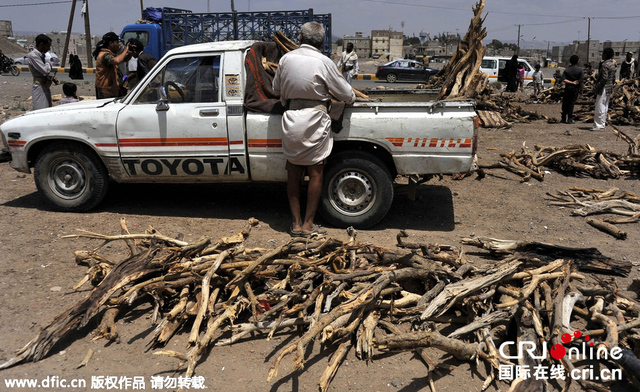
x=172, y=27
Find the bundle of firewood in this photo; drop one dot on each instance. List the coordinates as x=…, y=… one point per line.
x=351, y=295
x=461, y=76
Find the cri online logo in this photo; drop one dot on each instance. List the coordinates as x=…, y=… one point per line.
x=558, y=351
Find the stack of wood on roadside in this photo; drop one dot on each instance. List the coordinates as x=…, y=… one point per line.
x=624, y=105
x=504, y=105
x=587, y=202
x=572, y=160
x=461, y=77
x=353, y=296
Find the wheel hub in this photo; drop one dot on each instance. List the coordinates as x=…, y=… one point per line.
x=352, y=192
x=68, y=179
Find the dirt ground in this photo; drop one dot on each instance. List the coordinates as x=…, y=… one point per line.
x=37, y=268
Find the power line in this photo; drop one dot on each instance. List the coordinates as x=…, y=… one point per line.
x=496, y=12
x=30, y=4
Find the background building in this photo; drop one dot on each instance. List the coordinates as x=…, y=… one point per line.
x=361, y=44
x=5, y=28
x=386, y=43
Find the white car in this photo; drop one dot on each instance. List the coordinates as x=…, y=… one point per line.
x=493, y=67
x=49, y=57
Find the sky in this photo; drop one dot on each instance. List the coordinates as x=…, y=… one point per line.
x=541, y=22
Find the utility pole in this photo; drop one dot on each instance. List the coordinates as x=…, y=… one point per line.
x=548, y=44
x=66, y=40
x=141, y=6
x=87, y=33
x=588, y=40
x=518, y=46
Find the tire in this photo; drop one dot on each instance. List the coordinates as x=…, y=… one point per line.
x=392, y=78
x=357, y=190
x=15, y=71
x=71, y=177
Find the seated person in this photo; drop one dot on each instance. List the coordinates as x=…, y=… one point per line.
x=70, y=91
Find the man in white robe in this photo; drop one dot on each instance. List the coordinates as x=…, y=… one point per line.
x=42, y=72
x=348, y=63
x=304, y=78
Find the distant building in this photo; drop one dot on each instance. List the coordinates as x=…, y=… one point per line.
x=621, y=48
x=386, y=43
x=590, y=52
x=6, y=29
x=361, y=44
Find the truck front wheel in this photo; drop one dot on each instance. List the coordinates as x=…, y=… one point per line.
x=71, y=177
x=357, y=190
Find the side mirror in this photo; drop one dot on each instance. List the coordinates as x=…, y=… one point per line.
x=163, y=103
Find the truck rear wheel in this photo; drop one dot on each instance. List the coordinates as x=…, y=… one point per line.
x=357, y=190
x=71, y=176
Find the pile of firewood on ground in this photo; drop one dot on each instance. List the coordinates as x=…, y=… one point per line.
x=573, y=160
x=587, y=202
x=360, y=297
x=624, y=105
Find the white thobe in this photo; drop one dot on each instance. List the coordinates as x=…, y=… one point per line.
x=305, y=73
x=601, y=109
x=40, y=93
x=351, y=60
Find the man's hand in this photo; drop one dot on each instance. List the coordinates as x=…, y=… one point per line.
x=55, y=80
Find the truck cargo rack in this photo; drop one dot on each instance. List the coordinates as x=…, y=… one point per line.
x=184, y=28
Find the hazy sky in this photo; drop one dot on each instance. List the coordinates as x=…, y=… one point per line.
x=540, y=20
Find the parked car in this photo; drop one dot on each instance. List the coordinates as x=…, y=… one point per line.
x=48, y=57
x=404, y=70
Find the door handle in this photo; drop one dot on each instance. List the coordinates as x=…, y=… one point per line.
x=209, y=112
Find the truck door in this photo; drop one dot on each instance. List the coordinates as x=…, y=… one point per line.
x=184, y=138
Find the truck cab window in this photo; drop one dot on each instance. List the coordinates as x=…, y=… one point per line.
x=142, y=36
x=186, y=80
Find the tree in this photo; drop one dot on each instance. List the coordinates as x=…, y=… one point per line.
x=411, y=41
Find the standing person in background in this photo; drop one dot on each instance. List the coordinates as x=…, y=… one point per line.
x=628, y=67
x=303, y=79
x=144, y=61
x=348, y=63
x=131, y=78
x=520, y=76
x=573, y=78
x=75, y=67
x=510, y=74
x=43, y=75
x=537, y=80
x=107, y=61
x=603, y=88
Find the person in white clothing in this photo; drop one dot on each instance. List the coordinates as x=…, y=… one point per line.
x=303, y=80
x=42, y=72
x=603, y=88
x=348, y=63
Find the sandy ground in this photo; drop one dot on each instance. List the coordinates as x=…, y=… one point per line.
x=37, y=269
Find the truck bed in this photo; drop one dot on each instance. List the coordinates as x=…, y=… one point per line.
x=420, y=137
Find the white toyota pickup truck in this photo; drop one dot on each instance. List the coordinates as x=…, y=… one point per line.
x=186, y=122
